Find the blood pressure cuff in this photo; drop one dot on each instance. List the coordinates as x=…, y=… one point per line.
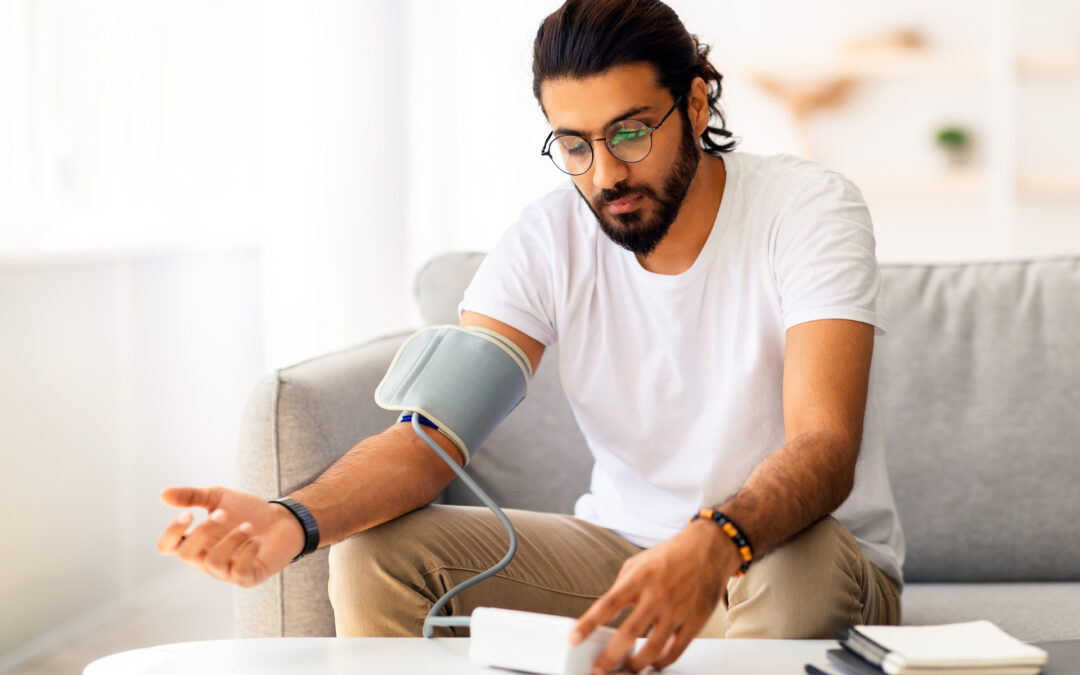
x=465, y=380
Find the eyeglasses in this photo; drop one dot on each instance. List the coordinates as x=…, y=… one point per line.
x=627, y=140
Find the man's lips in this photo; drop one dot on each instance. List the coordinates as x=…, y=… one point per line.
x=624, y=204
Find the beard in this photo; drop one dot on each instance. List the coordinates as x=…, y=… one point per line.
x=638, y=231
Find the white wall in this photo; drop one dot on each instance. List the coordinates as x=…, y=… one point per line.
x=331, y=154
x=120, y=376
x=475, y=129
x=195, y=193
x=14, y=119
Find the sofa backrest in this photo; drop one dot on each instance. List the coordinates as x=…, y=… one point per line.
x=978, y=381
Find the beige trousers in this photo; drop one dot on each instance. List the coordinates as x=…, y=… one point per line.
x=384, y=581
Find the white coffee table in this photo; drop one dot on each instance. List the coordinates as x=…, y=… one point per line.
x=445, y=656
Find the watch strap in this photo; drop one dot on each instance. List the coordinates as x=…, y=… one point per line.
x=307, y=521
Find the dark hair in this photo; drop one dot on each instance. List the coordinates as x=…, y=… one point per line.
x=587, y=37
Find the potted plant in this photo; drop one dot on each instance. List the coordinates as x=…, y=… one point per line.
x=956, y=143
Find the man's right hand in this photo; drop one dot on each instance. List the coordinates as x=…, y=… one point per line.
x=245, y=540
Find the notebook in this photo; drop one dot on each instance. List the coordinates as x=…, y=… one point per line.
x=975, y=646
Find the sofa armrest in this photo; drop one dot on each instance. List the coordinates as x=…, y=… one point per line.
x=298, y=421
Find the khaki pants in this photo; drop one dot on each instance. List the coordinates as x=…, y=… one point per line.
x=384, y=581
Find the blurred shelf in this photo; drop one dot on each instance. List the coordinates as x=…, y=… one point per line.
x=1049, y=63
x=964, y=182
x=934, y=182
x=904, y=63
x=899, y=63
x=1049, y=185
x=26, y=253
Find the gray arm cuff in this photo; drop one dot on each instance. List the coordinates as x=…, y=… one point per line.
x=464, y=379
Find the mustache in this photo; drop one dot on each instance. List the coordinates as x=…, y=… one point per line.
x=621, y=191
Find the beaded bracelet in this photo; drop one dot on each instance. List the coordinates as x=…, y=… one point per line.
x=735, y=533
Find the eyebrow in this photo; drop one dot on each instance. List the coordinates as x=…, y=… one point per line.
x=563, y=131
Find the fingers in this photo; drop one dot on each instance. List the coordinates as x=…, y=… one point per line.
x=219, y=560
x=653, y=647
x=676, y=646
x=195, y=545
x=228, y=555
x=246, y=570
x=174, y=533
x=623, y=641
x=224, y=546
x=599, y=613
x=186, y=497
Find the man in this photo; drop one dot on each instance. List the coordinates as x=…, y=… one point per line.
x=716, y=314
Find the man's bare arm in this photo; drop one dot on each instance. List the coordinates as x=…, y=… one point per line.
x=389, y=474
x=674, y=586
x=826, y=377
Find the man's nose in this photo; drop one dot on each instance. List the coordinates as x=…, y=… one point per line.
x=607, y=170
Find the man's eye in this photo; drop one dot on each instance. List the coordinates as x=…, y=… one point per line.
x=576, y=149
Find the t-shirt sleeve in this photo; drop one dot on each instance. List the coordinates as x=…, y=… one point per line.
x=515, y=281
x=824, y=257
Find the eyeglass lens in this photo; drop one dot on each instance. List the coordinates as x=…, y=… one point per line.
x=628, y=140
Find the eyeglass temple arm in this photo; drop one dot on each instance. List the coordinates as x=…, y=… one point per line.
x=673, y=106
x=544, y=149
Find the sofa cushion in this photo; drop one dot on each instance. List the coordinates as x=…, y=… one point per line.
x=979, y=383
x=1028, y=611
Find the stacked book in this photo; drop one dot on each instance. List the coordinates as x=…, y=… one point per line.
x=976, y=647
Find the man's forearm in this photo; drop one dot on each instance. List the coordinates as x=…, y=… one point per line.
x=379, y=479
x=799, y=484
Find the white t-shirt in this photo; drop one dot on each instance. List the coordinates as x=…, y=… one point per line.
x=676, y=380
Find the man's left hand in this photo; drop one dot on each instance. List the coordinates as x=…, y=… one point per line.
x=673, y=588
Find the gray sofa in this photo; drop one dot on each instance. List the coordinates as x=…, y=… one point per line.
x=979, y=380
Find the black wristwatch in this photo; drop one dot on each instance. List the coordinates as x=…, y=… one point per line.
x=307, y=521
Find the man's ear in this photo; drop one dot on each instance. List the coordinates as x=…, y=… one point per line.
x=698, y=106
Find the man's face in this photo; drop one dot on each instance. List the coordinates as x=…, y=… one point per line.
x=634, y=203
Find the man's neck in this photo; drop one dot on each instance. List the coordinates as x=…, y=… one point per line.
x=688, y=234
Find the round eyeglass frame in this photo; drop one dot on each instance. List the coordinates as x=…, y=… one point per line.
x=551, y=138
